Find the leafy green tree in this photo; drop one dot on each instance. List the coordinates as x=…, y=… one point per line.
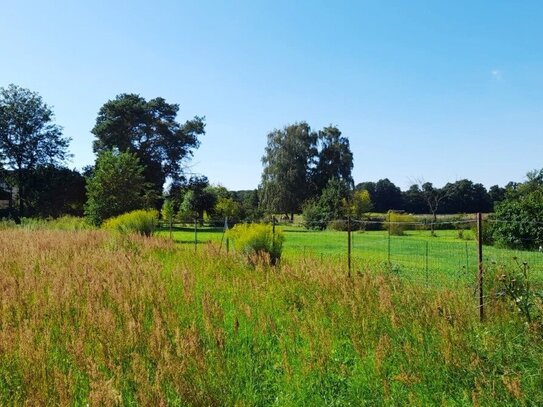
x=360, y=203
x=28, y=137
x=368, y=186
x=333, y=204
x=53, y=191
x=117, y=186
x=334, y=160
x=249, y=205
x=198, y=197
x=288, y=162
x=496, y=194
x=413, y=200
x=520, y=215
x=227, y=207
x=148, y=129
x=387, y=196
x=464, y=196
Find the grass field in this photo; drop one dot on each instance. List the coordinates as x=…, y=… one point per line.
x=89, y=318
x=417, y=256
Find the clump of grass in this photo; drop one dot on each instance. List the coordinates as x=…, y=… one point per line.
x=143, y=222
x=66, y=222
x=84, y=323
x=257, y=241
x=7, y=224
x=398, y=223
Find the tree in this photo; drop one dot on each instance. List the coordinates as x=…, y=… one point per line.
x=333, y=204
x=361, y=203
x=116, y=187
x=249, y=203
x=149, y=130
x=497, y=194
x=53, y=191
x=288, y=163
x=433, y=198
x=520, y=215
x=464, y=196
x=387, y=196
x=334, y=160
x=28, y=136
x=197, y=197
x=413, y=200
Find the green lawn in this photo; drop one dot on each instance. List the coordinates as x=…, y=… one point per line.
x=416, y=256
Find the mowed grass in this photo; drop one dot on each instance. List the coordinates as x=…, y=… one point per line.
x=92, y=318
x=417, y=256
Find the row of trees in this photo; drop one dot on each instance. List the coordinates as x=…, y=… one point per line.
x=138, y=143
x=299, y=163
x=463, y=196
x=140, y=147
x=305, y=168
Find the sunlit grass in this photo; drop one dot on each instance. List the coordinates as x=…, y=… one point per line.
x=86, y=317
x=442, y=259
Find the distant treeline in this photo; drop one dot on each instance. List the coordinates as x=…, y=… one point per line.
x=462, y=196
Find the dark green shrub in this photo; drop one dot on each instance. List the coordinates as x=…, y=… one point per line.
x=314, y=218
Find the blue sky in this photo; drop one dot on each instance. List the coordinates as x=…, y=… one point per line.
x=428, y=90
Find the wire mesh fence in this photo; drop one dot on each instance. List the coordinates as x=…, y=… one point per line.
x=441, y=252
x=458, y=253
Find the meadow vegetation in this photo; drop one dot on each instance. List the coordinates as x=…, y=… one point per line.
x=109, y=319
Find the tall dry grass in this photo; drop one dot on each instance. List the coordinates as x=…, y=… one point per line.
x=86, y=317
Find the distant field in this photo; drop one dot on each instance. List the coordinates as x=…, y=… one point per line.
x=416, y=256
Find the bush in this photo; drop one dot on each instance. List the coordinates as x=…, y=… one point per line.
x=398, y=223
x=256, y=240
x=139, y=221
x=520, y=222
x=340, y=225
x=314, y=218
x=487, y=232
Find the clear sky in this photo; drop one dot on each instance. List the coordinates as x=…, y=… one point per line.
x=429, y=90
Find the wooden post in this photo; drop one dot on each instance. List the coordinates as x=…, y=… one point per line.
x=480, y=265
x=349, y=246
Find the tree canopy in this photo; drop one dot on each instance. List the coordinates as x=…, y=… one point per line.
x=299, y=163
x=148, y=129
x=520, y=215
x=28, y=136
x=334, y=160
x=117, y=186
x=288, y=162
